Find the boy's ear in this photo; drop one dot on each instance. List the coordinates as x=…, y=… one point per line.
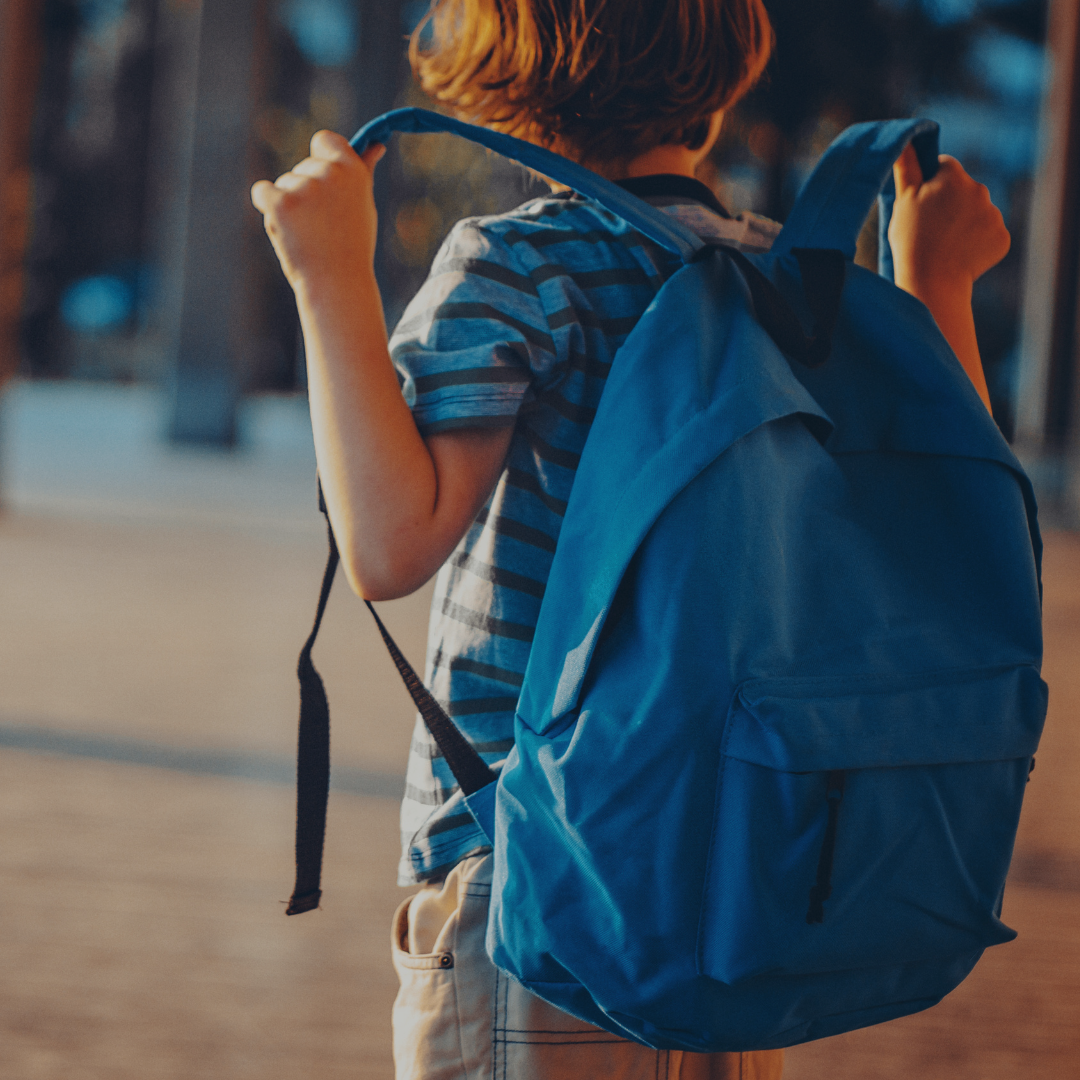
x=716, y=124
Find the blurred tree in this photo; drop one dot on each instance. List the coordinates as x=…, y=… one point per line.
x=86, y=267
x=20, y=53
x=831, y=64
x=205, y=141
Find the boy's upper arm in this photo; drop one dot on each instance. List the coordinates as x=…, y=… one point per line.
x=468, y=463
x=467, y=351
x=475, y=337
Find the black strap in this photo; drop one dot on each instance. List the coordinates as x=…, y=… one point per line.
x=469, y=768
x=822, y=271
x=822, y=887
x=313, y=750
x=312, y=756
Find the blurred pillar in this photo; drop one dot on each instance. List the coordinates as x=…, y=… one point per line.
x=379, y=67
x=380, y=73
x=1048, y=405
x=20, y=41
x=203, y=117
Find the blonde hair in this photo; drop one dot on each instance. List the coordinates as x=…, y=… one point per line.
x=598, y=80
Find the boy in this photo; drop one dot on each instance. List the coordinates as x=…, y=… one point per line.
x=467, y=462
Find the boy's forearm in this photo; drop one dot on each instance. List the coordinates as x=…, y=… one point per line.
x=377, y=474
x=398, y=503
x=951, y=308
x=944, y=234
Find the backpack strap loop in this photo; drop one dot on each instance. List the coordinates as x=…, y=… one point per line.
x=653, y=223
x=853, y=172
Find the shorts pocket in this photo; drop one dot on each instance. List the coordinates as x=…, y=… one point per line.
x=427, y=1041
x=403, y=959
x=866, y=821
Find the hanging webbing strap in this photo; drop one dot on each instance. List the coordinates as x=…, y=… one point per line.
x=469, y=768
x=312, y=755
x=313, y=751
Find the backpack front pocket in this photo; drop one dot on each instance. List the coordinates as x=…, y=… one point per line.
x=866, y=821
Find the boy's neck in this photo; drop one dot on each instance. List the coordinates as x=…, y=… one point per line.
x=667, y=160
x=670, y=159
x=659, y=161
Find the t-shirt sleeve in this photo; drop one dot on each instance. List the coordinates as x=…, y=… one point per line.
x=474, y=339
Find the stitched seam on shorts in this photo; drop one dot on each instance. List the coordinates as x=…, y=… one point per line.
x=495, y=1030
x=457, y=992
x=547, y=1031
x=506, y=1014
x=424, y=962
x=569, y=1042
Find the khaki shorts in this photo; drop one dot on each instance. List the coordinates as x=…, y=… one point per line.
x=458, y=1017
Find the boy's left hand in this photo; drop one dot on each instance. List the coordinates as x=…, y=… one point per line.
x=320, y=215
x=945, y=232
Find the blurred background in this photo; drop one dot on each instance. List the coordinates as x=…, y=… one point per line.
x=160, y=549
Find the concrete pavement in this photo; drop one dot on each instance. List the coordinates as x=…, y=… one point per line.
x=151, y=607
x=152, y=603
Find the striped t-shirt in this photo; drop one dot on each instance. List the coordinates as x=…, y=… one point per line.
x=518, y=324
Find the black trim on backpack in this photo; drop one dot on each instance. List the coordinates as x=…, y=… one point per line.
x=822, y=271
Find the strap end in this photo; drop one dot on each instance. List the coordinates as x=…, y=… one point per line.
x=299, y=904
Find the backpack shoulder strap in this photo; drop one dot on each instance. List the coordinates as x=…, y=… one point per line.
x=853, y=172
x=647, y=219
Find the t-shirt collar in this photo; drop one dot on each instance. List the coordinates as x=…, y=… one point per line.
x=673, y=186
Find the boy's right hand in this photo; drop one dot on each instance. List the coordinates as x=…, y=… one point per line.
x=320, y=215
x=399, y=503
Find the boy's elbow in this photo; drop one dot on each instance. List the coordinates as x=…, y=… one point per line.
x=388, y=578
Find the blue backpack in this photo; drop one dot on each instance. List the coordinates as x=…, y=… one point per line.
x=784, y=693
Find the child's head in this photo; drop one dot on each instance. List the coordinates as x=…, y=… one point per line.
x=601, y=81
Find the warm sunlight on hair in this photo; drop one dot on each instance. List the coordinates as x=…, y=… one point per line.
x=598, y=80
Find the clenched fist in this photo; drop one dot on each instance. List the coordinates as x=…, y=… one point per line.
x=320, y=216
x=945, y=232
